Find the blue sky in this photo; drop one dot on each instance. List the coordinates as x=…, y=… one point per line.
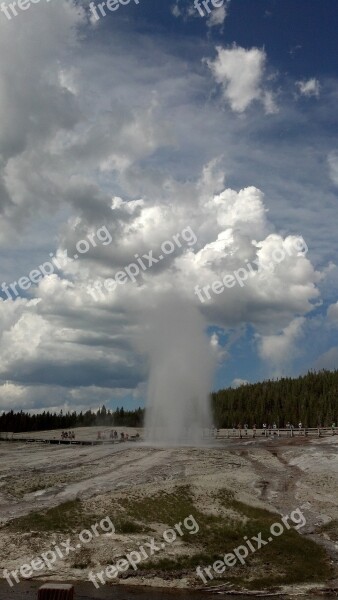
x=146, y=122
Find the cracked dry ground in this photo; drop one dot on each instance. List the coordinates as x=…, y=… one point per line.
x=278, y=475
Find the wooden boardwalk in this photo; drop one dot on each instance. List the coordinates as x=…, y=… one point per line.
x=221, y=434
x=65, y=442
x=210, y=434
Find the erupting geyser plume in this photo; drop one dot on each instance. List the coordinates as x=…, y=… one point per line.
x=180, y=377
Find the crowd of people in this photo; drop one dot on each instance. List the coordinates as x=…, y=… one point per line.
x=114, y=436
x=68, y=435
x=103, y=435
x=274, y=425
x=269, y=428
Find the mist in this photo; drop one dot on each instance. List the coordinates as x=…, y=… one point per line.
x=181, y=367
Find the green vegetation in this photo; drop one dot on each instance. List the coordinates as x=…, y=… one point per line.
x=16, y=487
x=67, y=517
x=331, y=529
x=72, y=517
x=82, y=560
x=46, y=421
x=163, y=507
x=289, y=558
x=129, y=526
x=311, y=399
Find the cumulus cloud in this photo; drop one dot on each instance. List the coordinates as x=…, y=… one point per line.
x=29, y=120
x=333, y=166
x=328, y=360
x=98, y=137
x=64, y=337
x=219, y=352
x=310, y=87
x=240, y=72
x=282, y=348
x=332, y=313
x=238, y=382
x=175, y=10
x=214, y=16
x=217, y=16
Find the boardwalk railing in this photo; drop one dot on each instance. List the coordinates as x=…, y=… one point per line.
x=278, y=432
x=66, y=442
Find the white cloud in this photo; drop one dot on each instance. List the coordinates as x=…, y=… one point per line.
x=175, y=10
x=240, y=72
x=238, y=382
x=120, y=133
x=220, y=353
x=280, y=349
x=332, y=313
x=214, y=18
x=309, y=88
x=63, y=338
x=217, y=16
x=328, y=360
x=333, y=166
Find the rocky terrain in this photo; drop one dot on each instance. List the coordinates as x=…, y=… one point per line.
x=75, y=486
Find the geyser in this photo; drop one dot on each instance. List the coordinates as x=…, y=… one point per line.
x=180, y=375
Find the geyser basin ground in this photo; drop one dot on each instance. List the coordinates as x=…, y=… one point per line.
x=146, y=490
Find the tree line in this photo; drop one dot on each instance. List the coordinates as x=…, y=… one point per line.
x=311, y=399
x=17, y=422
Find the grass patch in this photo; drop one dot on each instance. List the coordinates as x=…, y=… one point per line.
x=128, y=526
x=167, y=508
x=289, y=558
x=331, y=528
x=19, y=488
x=67, y=517
x=82, y=560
